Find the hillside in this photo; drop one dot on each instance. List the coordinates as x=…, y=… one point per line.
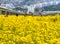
x=52, y=8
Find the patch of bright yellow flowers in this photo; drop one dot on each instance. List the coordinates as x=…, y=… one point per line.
x=30, y=29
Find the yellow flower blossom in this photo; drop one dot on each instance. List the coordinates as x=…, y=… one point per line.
x=30, y=29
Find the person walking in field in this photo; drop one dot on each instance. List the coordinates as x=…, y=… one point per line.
x=6, y=14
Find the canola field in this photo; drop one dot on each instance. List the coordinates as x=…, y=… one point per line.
x=30, y=29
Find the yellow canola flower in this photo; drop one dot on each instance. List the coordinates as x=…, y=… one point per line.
x=30, y=29
x=24, y=39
